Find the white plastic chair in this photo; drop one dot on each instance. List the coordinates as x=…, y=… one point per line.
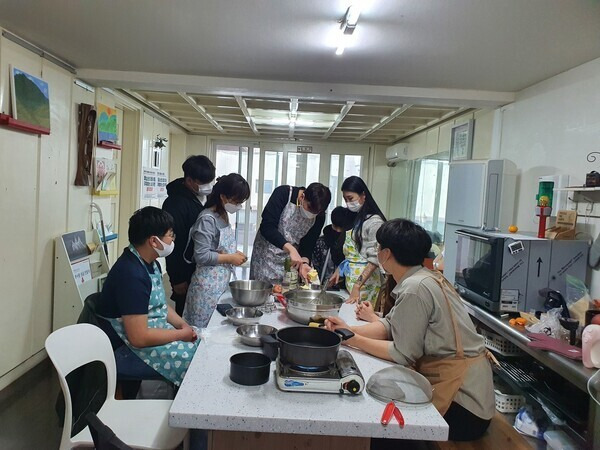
x=139, y=423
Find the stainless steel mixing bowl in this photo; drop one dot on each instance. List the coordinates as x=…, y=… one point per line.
x=250, y=292
x=305, y=306
x=244, y=315
x=250, y=334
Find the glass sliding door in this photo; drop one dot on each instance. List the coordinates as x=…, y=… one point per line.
x=341, y=168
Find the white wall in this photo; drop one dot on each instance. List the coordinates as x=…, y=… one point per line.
x=550, y=129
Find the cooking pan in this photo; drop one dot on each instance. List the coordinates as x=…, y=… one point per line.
x=305, y=347
x=305, y=306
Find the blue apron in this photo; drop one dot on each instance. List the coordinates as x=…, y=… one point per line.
x=170, y=360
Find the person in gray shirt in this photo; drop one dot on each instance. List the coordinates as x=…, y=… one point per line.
x=215, y=248
x=429, y=329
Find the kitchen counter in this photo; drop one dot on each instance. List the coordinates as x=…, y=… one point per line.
x=209, y=400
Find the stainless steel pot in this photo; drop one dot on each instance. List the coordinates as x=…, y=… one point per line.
x=250, y=292
x=305, y=306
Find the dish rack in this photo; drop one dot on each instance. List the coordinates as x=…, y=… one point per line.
x=499, y=344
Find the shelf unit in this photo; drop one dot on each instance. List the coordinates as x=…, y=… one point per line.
x=69, y=295
x=584, y=196
x=108, y=145
x=572, y=371
x=578, y=189
x=10, y=122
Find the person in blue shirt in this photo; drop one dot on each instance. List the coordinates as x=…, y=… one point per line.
x=133, y=307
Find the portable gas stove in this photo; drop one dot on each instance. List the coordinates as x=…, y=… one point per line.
x=342, y=377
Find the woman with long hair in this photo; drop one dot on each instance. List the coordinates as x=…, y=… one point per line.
x=215, y=248
x=363, y=277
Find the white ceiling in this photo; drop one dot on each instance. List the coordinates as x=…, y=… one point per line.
x=312, y=119
x=495, y=45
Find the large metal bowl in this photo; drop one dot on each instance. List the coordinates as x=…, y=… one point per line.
x=250, y=292
x=305, y=305
x=244, y=315
x=250, y=334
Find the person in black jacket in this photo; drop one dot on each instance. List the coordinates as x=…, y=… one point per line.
x=184, y=203
x=332, y=241
x=291, y=224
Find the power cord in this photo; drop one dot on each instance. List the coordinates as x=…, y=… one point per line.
x=588, y=387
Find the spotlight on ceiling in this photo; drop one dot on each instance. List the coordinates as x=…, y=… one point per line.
x=347, y=26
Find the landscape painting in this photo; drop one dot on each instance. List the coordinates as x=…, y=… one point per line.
x=107, y=124
x=30, y=98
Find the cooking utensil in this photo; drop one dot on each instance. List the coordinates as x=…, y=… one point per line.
x=391, y=410
x=305, y=347
x=305, y=306
x=249, y=369
x=250, y=334
x=400, y=384
x=250, y=292
x=244, y=315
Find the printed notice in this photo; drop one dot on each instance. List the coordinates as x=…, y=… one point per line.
x=161, y=184
x=82, y=271
x=149, y=184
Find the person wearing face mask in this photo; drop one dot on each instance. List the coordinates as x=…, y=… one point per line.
x=291, y=224
x=132, y=308
x=214, y=248
x=363, y=277
x=186, y=197
x=429, y=329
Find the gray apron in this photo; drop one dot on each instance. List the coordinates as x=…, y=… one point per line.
x=267, y=260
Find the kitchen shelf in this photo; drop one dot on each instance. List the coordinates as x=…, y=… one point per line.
x=8, y=121
x=109, y=145
x=578, y=189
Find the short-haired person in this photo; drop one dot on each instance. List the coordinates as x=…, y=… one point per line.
x=429, y=329
x=291, y=224
x=214, y=248
x=332, y=241
x=133, y=309
x=185, y=200
x=363, y=278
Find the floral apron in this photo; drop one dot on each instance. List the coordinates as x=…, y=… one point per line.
x=170, y=360
x=267, y=260
x=447, y=375
x=353, y=266
x=208, y=284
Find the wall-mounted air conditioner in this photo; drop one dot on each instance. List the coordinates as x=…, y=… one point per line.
x=396, y=153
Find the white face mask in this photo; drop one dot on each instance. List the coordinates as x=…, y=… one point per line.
x=166, y=250
x=307, y=213
x=381, y=269
x=231, y=208
x=205, y=189
x=354, y=206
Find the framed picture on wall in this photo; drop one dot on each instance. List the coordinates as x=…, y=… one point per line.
x=461, y=144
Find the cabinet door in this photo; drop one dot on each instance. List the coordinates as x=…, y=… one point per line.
x=466, y=186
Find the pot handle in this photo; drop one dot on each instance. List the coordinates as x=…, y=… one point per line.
x=344, y=333
x=270, y=346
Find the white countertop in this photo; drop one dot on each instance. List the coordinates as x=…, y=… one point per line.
x=208, y=399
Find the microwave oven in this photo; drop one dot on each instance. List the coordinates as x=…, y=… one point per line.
x=505, y=272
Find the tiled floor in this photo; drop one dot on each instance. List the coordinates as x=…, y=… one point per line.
x=27, y=417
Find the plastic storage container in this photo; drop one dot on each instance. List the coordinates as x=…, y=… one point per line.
x=499, y=344
x=508, y=403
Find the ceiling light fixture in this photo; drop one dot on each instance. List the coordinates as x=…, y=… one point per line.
x=347, y=26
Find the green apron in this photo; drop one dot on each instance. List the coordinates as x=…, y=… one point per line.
x=356, y=264
x=170, y=360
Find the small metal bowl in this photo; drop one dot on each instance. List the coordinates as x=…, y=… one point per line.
x=244, y=315
x=250, y=334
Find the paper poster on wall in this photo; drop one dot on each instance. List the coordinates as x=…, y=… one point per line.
x=75, y=244
x=30, y=98
x=105, y=175
x=82, y=271
x=161, y=184
x=148, y=184
x=107, y=124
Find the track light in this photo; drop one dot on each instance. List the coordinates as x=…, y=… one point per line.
x=347, y=26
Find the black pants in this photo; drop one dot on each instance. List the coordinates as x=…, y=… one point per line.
x=179, y=302
x=464, y=425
